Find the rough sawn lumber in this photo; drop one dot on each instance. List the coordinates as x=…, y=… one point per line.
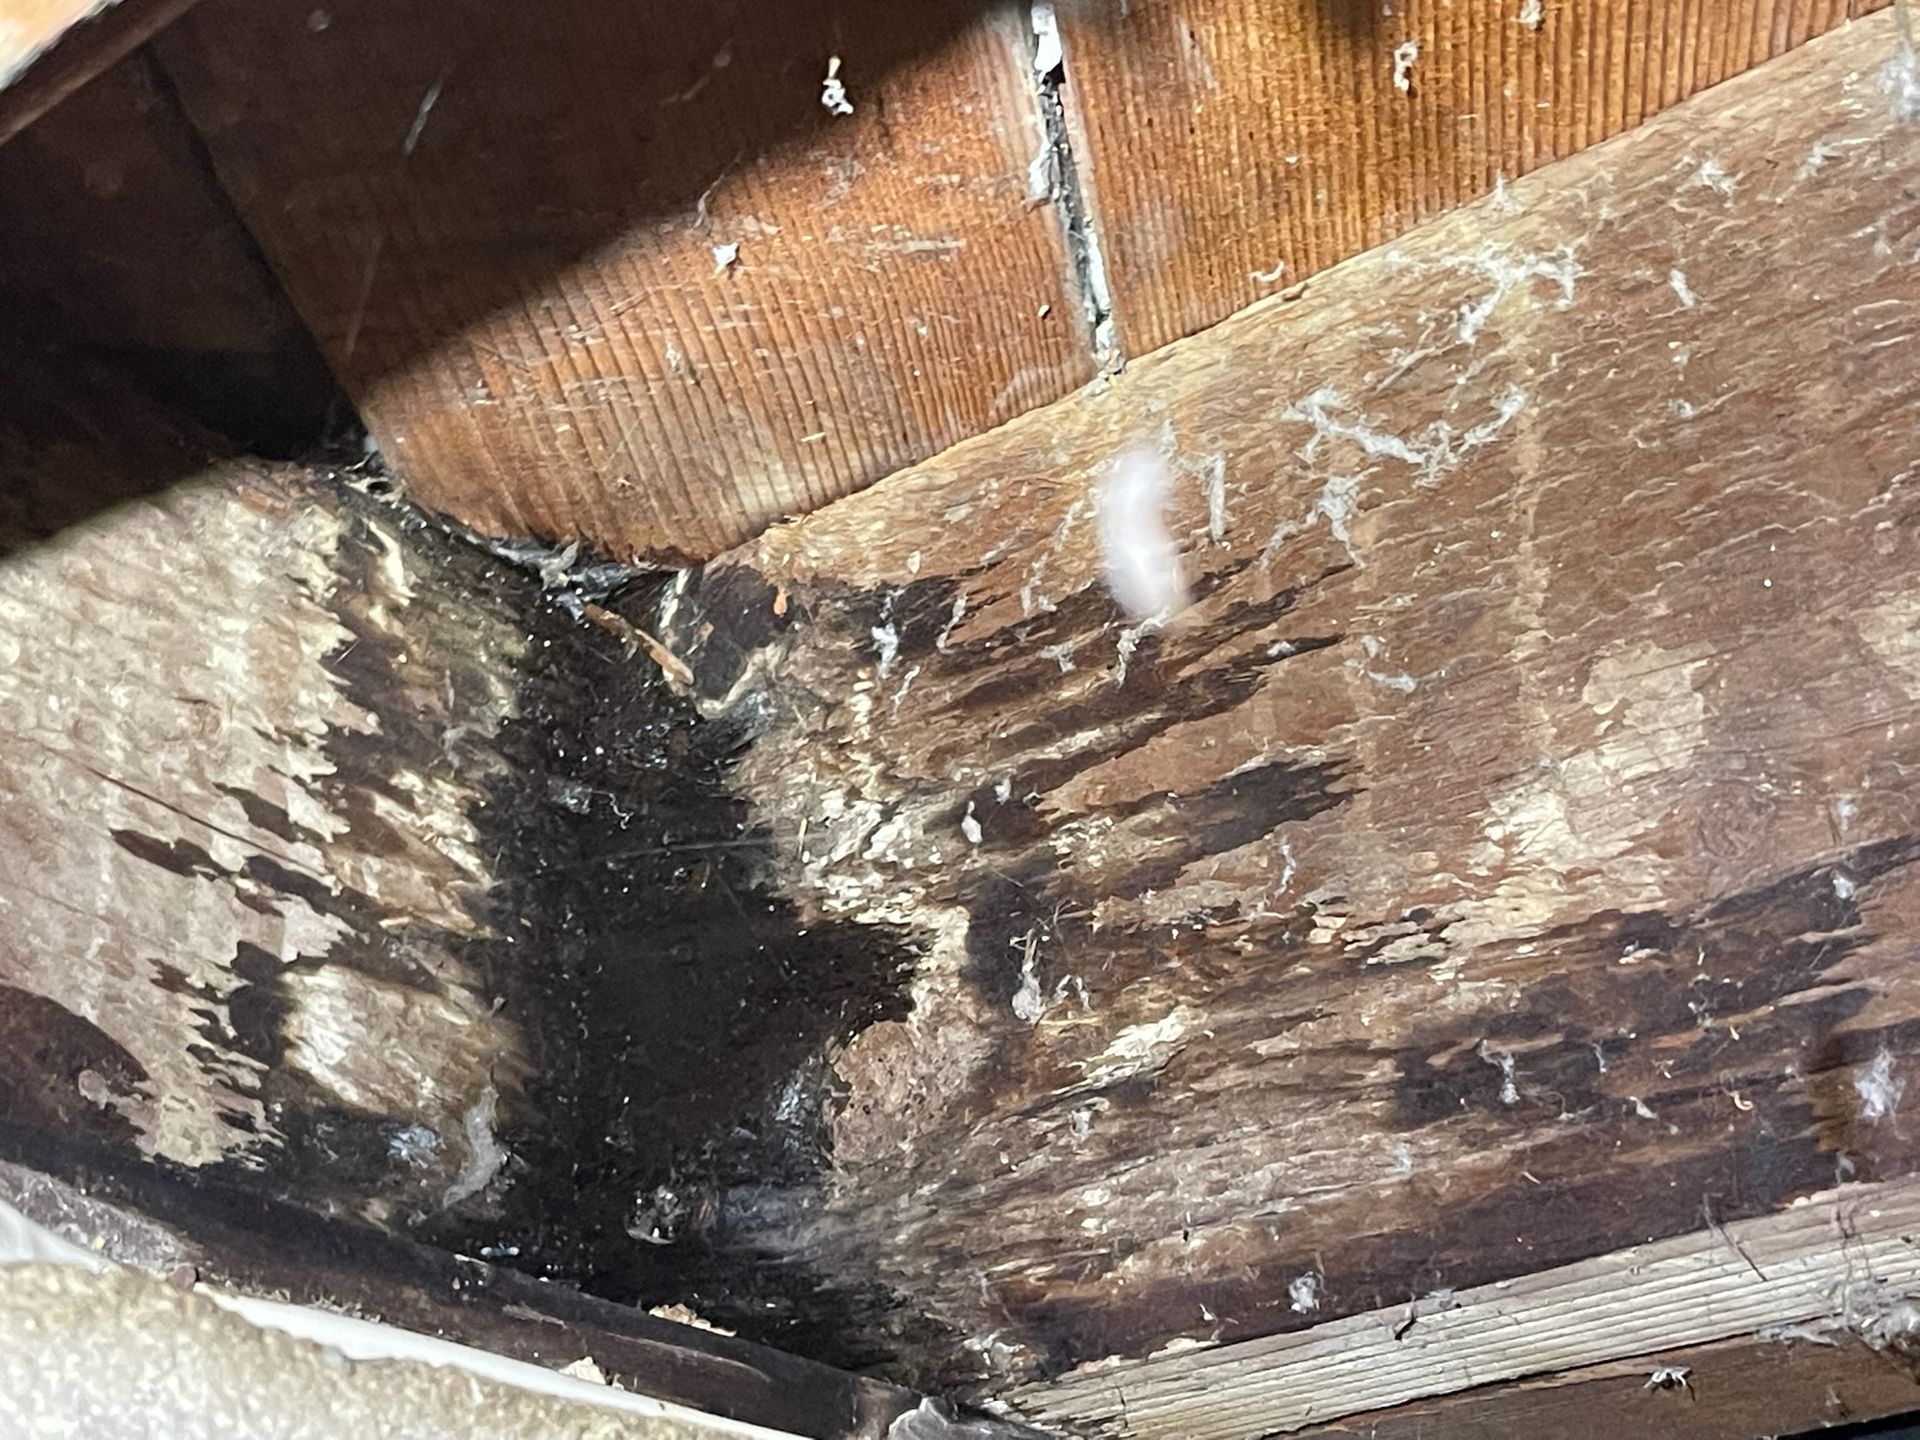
x=1506, y=860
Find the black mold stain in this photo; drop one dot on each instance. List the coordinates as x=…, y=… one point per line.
x=677, y=1010
x=257, y=1009
x=1780, y=940
x=61, y=1072
x=1739, y=955
x=269, y=817
x=1227, y=814
x=677, y=1015
x=180, y=857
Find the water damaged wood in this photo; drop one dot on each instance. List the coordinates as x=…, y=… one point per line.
x=1508, y=857
x=238, y=838
x=347, y=870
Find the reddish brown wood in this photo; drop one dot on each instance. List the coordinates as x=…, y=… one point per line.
x=1504, y=861
x=513, y=230
x=1235, y=147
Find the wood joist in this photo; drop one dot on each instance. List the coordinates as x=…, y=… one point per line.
x=1507, y=858
x=1499, y=880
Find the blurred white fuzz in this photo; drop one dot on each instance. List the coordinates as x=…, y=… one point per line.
x=1141, y=560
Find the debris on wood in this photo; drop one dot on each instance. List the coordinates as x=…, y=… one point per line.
x=833, y=91
x=586, y=1368
x=632, y=635
x=1404, y=56
x=1879, y=1088
x=681, y=1314
x=1142, y=564
x=1671, y=1377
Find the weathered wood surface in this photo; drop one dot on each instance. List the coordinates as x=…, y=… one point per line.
x=1777, y=1384
x=158, y=1222
x=310, y=949
x=1845, y=1260
x=117, y=242
x=50, y=48
x=1232, y=148
x=513, y=230
x=1507, y=858
x=241, y=739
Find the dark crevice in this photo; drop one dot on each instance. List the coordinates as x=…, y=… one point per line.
x=1056, y=176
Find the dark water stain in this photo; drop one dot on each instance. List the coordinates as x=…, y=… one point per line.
x=61, y=1072
x=677, y=1009
x=178, y=857
x=1594, y=1175
x=670, y=1141
x=239, y=1235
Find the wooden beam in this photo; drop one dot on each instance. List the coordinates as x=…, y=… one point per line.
x=85, y=1339
x=123, y=247
x=1848, y=1251
x=1786, y=1381
x=1503, y=862
x=612, y=272
x=170, y=754
x=50, y=48
x=1233, y=148
x=242, y=1243
x=343, y=871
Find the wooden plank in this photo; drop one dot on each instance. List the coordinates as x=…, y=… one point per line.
x=1850, y=1250
x=84, y=1340
x=512, y=230
x=454, y=931
x=1233, y=148
x=233, y=930
x=153, y=1220
x=122, y=247
x=1779, y=1383
x=1503, y=862
x=50, y=48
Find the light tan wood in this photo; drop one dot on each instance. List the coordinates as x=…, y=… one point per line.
x=1845, y=1255
x=1233, y=148
x=1777, y=1381
x=1504, y=861
x=615, y=273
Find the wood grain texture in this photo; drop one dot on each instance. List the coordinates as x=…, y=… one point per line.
x=1503, y=862
x=50, y=48
x=237, y=834
x=117, y=244
x=1778, y=1383
x=501, y=222
x=356, y=894
x=293, y=970
x=1850, y=1250
x=1234, y=147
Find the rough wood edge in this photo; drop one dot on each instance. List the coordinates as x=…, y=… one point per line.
x=85, y=1299
x=1849, y=1252
x=51, y=67
x=1792, y=1380
x=162, y=1222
